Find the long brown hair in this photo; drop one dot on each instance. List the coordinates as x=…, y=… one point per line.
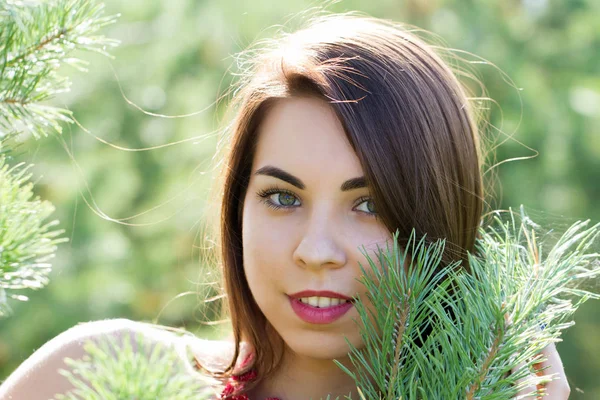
x=408, y=119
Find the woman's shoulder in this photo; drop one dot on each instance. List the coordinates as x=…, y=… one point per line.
x=217, y=353
x=120, y=329
x=212, y=354
x=39, y=375
x=44, y=364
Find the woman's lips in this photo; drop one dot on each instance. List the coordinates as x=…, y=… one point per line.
x=315, y=315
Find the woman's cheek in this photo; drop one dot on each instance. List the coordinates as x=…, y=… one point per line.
x=370, y=244
x=264, y=243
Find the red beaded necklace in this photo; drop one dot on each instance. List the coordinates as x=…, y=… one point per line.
x=237, y=382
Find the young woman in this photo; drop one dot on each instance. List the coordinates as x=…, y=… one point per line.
x=344, y=132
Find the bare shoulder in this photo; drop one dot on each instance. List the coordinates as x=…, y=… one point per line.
x=38, y=377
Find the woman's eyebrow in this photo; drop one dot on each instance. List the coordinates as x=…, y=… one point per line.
x=354, y=183
x=269, y=170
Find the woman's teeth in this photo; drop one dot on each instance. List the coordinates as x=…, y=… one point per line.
x=322, y=302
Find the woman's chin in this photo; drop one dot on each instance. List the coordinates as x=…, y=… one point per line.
x=318, y=345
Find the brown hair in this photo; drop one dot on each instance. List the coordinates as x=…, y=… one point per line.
x=408, y=119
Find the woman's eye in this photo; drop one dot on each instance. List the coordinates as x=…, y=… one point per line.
x=285, y=199
x=367, y=206
x=276, y=199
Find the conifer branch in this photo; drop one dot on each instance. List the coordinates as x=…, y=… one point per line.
x=483, y=326
x=36, y=39
x=498, y=337
x=134, y=368
x=27, y=243
x=402, y=314
x=36, y=47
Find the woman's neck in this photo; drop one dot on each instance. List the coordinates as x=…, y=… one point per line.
x=301, y=378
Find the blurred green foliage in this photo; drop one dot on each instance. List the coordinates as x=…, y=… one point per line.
x=134, y=218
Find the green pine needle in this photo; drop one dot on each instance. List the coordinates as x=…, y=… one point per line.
x=482, y=324
x=148, y=370
x=27, y=243
x=36, y=39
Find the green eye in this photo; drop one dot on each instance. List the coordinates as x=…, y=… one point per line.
x=278, y=198
x=371, y=206
x=286, y=199
x=367, y=206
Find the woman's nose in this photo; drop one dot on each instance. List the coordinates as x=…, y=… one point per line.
x=319, y=246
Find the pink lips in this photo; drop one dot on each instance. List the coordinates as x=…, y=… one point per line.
x=314, y=315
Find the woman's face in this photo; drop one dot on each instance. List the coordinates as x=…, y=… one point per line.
x=305, y=217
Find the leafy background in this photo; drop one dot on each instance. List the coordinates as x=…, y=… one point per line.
x=176, y=58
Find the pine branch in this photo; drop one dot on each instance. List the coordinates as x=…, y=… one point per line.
x=389, y=335
x=27, y=243
x=482, y=324
x=36, y=39
x=485, y=369
x=402, y=313
x=141, y=370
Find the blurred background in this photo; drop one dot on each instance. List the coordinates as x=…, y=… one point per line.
x=135, y=218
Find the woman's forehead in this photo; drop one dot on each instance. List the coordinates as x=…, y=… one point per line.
x=304, y=134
